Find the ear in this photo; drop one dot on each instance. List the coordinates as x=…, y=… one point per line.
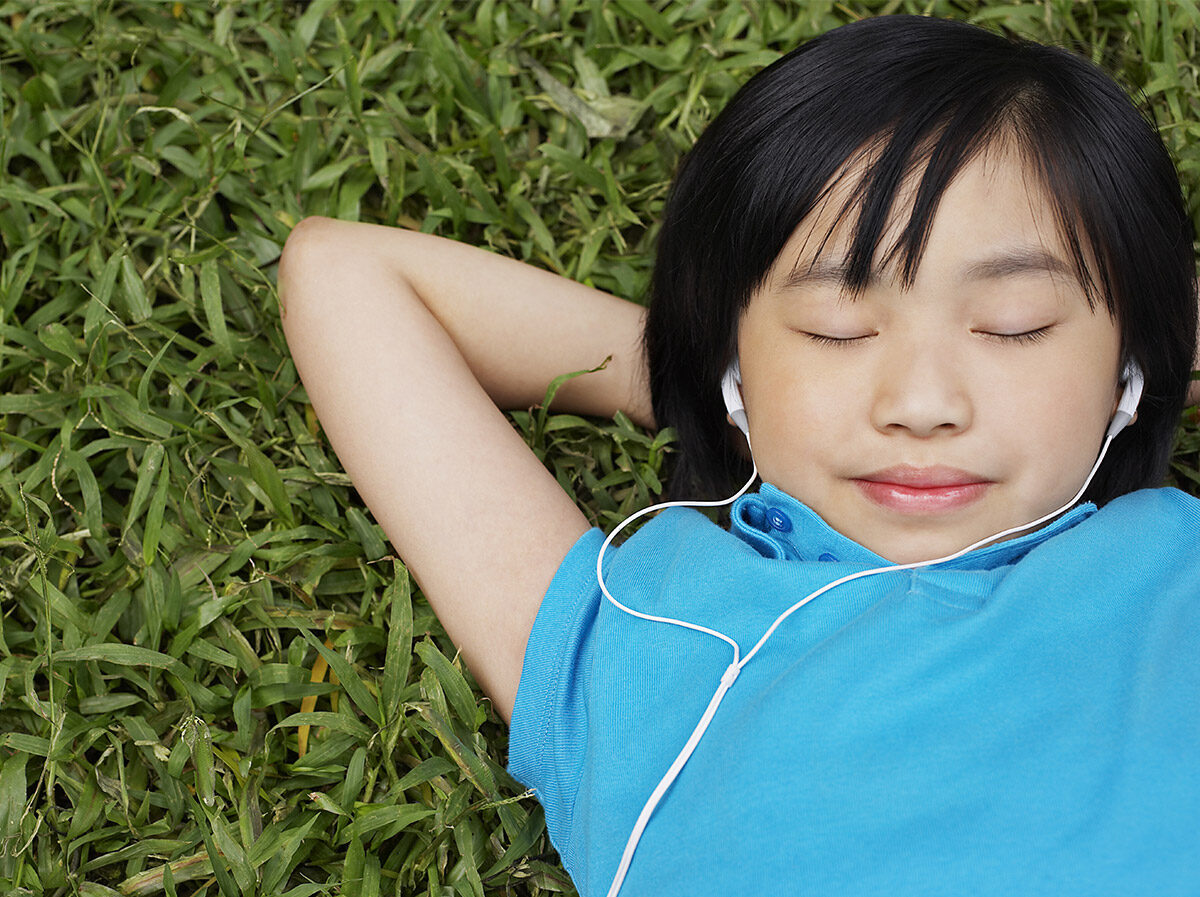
x=1118, y=393
x=1132, y=382
x=731, y=393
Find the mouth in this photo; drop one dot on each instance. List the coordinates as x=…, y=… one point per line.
x=923, y=490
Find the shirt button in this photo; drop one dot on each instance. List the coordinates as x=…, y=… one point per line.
x=779, y=520
x=826, y=556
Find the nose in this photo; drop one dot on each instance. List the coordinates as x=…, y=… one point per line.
x=922, y=392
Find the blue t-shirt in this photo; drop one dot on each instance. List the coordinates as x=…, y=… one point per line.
x=1024, y=720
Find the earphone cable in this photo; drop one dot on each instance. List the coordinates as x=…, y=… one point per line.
x=736, y=666
x=642, y=513
x=861, y=574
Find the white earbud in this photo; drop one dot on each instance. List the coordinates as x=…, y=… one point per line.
x=731, y=391
x=1134, y=381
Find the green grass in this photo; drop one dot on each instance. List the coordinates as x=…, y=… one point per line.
x=189, y=586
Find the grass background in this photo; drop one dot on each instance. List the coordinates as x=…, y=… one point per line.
x=214, y=676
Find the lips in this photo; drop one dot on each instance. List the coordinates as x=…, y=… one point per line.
x=923, y=490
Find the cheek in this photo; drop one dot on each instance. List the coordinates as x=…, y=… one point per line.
x=1063, y=393
x=794, y=416
x=1058, y=430
x=789, y=386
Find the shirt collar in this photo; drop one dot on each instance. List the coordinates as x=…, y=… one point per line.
x=803, y=535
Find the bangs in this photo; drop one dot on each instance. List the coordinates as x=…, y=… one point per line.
x=879, y=179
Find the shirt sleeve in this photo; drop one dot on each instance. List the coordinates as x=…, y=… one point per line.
x=548, y=734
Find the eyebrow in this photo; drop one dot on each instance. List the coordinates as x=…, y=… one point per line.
x=823, y=271
x=1012, y=263
x=1006, y=263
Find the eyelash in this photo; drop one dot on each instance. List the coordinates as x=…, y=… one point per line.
x=822, y=340
x=1028, y=338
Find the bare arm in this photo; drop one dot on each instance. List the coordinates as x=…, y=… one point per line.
x=406, y=344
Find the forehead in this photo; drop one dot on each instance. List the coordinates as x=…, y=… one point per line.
x=993, y=211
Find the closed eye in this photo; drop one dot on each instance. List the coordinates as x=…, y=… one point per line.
x=822, y=339
x=1025, y=338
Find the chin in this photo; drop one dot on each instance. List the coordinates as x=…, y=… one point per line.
x=907, y=554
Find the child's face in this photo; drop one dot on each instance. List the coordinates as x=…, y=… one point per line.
x=917, y=422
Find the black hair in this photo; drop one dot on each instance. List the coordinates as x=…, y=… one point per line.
x=917, y=91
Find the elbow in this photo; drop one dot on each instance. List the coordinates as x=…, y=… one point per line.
x=307, y=248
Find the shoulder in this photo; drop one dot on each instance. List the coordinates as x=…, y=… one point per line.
x=675, y=536
x=678, y=532
x=1165, y=499
x=1151, y=514
x=678, y=542
x=1141, y=542
x=652, y=569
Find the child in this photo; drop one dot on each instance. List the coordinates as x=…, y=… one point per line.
x=940, y=261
